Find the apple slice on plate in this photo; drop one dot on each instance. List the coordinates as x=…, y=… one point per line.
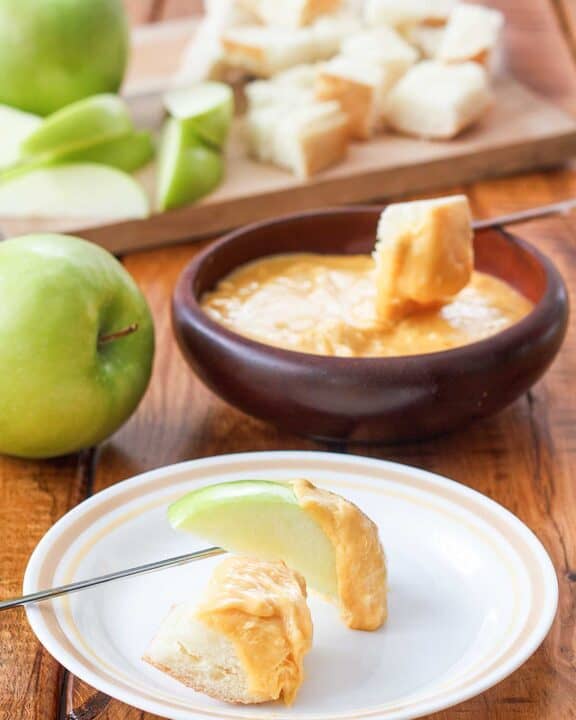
x=15, y=126
x=205, y=110
x=87, y=122
x=187, y=169
x=260, y=518
x=127, y=152
x=73, y=191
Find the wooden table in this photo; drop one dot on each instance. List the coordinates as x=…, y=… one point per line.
x=525, y=458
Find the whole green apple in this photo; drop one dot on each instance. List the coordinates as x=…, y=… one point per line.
x=53, y=52
x=76, y=345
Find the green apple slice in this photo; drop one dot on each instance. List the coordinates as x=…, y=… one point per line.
x=73, y=191
x=96, y=119
x=263, y=519
x=15, y=126
x=127, y=152
x=187, y=169
x=205, y=110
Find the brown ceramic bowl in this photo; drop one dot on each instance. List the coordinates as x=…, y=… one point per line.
x=368, y=399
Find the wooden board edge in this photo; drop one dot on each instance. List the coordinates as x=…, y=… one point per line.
x=178, y=226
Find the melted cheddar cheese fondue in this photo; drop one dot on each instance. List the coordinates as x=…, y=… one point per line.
x=417, y=294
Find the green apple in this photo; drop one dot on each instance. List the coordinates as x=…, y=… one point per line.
x=263, y=519
x=97, y=119
x=205, y=110
x=187, y=169
x=73, y=191
x=76, y=345
x=127, y=152
x=15, y=126
x=54, y=52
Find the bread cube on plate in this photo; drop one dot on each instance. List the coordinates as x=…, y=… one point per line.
x=426, y=38
x=435, y=100
x=472, y=33
x=245, y=641
x=290, y=14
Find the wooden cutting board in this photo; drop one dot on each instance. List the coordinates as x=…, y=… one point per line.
x=524, y=130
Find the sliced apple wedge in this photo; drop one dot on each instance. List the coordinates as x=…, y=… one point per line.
x=322, y=535
x=87, y=122
x=72, y=191
x=127, y=152
x=260, y=518
x=187, y=169
x=205, y=109
x=15, y=126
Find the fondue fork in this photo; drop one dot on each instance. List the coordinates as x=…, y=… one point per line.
x=102, y=579
x=559, y=208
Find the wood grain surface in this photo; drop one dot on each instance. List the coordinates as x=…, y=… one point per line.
x=525, y=458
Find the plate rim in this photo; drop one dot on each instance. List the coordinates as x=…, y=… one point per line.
x=433, y=480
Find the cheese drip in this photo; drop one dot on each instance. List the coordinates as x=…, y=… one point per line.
x=360, y=560
x=261, y=608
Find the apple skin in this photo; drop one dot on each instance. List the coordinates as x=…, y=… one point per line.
x=54, y=52
x=261, y=518
x=61, y=389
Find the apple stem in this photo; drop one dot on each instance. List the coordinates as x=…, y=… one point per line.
x=103, y=339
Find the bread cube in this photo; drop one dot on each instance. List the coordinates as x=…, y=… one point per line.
x=304, y=139
x=472, y=33
x=359, y=88
x=383, y=47
x=265, y=51
x=423, y=255
x=438, y=101
x=290, y=14
x=399, y=13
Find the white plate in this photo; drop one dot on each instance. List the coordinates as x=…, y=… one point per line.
x=472, y=592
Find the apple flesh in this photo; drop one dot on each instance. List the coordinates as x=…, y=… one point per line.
x=263, y=519
x=73, y=191
x=54, y=52
x=15, y=126
x=205, y=111
x=76, y=345
x=187, y=168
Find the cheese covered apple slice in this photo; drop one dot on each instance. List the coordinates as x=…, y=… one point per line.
x=317, y=533
x=423, y=255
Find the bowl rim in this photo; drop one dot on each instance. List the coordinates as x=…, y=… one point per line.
x=184, y=297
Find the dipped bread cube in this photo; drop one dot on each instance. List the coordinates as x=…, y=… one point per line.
x=303, y=139
x=437, y=101
x=290, y=14
x=400, y=13
x=245, y=641
x=423, y=255
x=472, y=34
